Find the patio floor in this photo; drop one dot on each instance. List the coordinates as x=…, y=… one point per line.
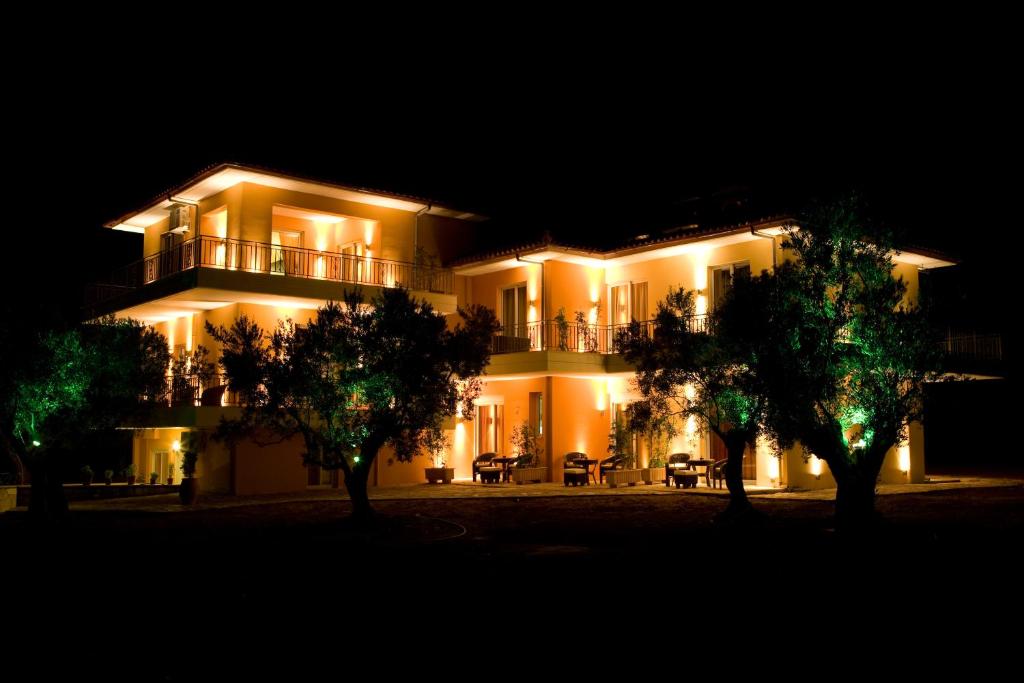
x=470, y=490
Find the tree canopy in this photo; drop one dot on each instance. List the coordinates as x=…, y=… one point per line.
x=360, y=376
x=837, y=350
x=86, y=378
x=690, y=368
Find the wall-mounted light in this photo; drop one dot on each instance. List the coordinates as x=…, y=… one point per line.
x=175, y=445
x=903, y=459
x=816, y=466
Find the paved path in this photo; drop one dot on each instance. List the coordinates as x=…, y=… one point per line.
x=470, y=490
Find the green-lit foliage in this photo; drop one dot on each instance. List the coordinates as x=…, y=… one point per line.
x=361, y=376
x=89, y=377
x=68, y=383
x=710, y=363
x=836, y=346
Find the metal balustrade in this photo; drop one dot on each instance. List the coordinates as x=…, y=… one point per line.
x=555, y=335
x=205, y=251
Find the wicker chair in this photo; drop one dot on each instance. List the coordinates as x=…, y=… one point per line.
x=573, y=473
x=483, y=460
x=609, y=464
x=676, y=461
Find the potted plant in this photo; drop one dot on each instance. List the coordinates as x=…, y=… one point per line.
x=129, y=474
x=658, y=436
x=437, y=444
x=108, y=477
x=562, y=330
x=189, y=489
x=153, y=477
x=620, y=445
x=86, y=473
x=528, y=448
x=170, y=474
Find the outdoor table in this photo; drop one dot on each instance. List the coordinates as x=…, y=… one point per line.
x=706, y=464
x=506, y=466
x=590, y=466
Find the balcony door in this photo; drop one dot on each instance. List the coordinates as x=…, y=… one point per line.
x=286, y=252
x=352, y=261
x=490, y=428
x=513, y=311
x=170, y=253
x=722, y=278
x=628, y=302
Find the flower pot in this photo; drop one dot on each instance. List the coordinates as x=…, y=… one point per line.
x=189, y=490
x=440, y=475
x=131, y=480
x=87, y=481
x=523, y=475
x=152, y=479
x=623, y=477
x=653, y=475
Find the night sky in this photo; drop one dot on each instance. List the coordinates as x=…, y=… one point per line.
x=581, y=160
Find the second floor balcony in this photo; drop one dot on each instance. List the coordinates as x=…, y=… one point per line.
x=272, y=260
x=556, y=335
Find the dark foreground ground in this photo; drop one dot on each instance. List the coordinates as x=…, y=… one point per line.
x=502, y=582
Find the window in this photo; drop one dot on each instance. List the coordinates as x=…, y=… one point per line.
x=537, y=413
x=722, y=279
x=285, y=256
x=490, y=428
x=513, y=311
x=628, y=302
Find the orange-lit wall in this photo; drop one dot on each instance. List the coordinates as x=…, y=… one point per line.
x=276, y=468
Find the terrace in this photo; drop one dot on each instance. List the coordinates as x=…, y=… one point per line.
x=273, y=260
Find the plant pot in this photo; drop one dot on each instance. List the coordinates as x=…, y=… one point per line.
x=108, y=482
x=523, y=475
x=623, y=477
x=440, y=475
x=653, y=475
x=152, y=480
x=170, y=481
x=189, y=490
x=86, y=481
x=131, y=480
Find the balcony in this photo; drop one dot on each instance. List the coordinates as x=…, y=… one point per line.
x=192, y=390
x=553, y=335
x=274, y=261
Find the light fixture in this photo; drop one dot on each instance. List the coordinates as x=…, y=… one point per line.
x=175, y=446
x=36, y=443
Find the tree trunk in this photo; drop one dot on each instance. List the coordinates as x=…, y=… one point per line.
x=855, y=502
x=739, y=504
x=355, y=484
x=48, y=502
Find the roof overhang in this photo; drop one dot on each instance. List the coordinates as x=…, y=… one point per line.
x=224, y=176
x=620, y=257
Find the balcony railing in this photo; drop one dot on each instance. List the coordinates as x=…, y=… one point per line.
x=553, y=335
x=191, y=390
x=971, y=346
x=275, y=260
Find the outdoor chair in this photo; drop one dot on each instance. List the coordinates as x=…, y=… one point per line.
x=573, y=472
x=676, y=461
x=484, y=460
x=609, y=464
x=718, y=473
x=212, y=396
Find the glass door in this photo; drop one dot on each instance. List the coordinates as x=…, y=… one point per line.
x=285, y=252
x=513, y=311
x=490, y=428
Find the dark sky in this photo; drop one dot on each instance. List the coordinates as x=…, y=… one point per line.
x=577, y=150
